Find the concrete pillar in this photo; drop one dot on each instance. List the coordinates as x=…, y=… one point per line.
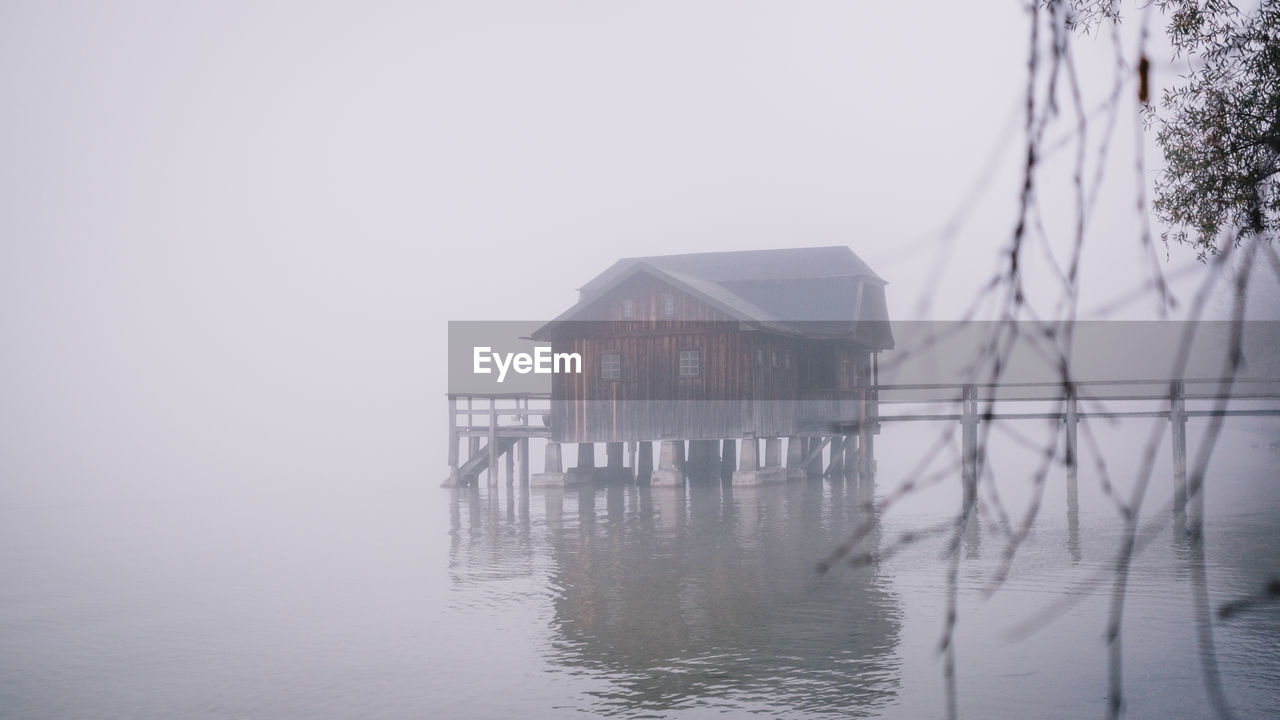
x=586, y=456
x=552, y=474
x=749, y=471
x=670, y=470
x=551, y=459
x=613, y=451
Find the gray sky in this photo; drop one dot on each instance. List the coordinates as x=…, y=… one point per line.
x=231, y=234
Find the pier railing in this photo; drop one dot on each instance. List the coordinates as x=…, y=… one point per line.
x=505, y=421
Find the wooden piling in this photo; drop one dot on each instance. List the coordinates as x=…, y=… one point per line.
x=493, y=442
x=1178, y=426
x=453, y=441
x=969, y=444
x=835, y=465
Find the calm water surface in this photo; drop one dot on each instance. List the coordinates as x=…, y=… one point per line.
x=399, y=599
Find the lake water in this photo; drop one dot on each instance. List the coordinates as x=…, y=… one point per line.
x=390, y=598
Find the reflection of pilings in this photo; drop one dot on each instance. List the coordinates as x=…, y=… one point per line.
x=1073, y=520
x=615, y=502
x=554, y=500
x=866, y=489
x=668, y=505
x=973, y=536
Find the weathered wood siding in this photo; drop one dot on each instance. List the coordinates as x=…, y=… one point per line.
x=750, y=381
x=650, y=401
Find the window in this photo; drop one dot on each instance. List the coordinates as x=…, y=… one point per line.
x=611, y=367
x=668, y=306
x=628, y=309
x=690, y=363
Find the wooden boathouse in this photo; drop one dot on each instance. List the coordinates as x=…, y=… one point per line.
x=707, y=352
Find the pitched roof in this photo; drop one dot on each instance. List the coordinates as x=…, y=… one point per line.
x=745, y=265
x=827, y=291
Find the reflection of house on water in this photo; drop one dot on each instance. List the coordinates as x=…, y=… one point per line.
x=706, y=596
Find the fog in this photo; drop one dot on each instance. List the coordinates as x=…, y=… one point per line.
x=232, y=234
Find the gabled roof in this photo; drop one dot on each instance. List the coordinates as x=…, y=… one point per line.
x=745, y=265
x=827, y=291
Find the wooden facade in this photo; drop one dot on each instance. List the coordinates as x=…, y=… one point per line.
x=667, y=355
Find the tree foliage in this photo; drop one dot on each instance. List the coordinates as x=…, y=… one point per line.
x=1219, y=127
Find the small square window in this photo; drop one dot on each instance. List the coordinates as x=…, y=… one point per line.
x=628, y=309
x=690, y=363
x=668, y=306
x=611, y=366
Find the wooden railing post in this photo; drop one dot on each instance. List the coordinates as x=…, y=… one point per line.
x=1178, y=425
x=493, y=441
x=969, y=444
x=453, y=440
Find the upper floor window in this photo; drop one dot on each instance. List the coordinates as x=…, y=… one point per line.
x=611, y=366
x=628, y=309
x=690, y=363
x=668, y=306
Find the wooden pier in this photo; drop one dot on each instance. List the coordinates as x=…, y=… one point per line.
x=836, y=436
x=495, y=426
